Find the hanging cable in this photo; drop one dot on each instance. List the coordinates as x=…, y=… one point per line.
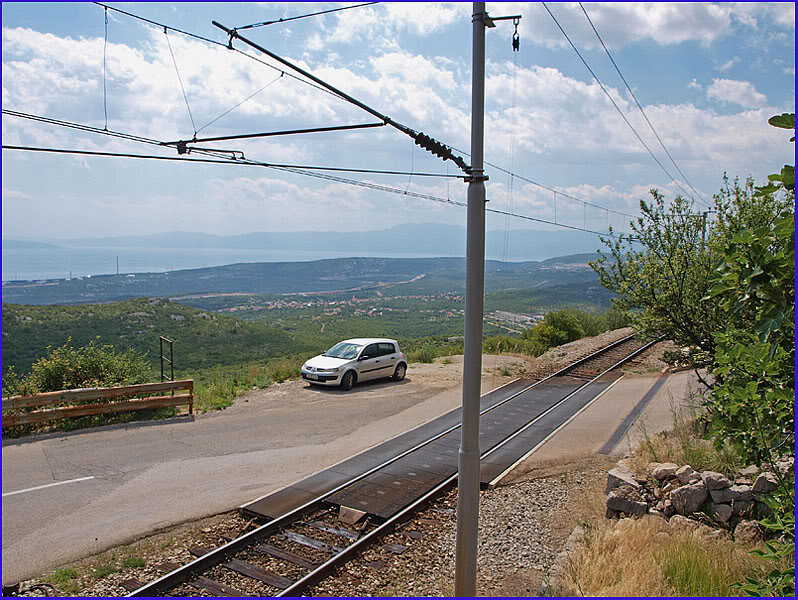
x=180, y=79
x=242, y=102
x=105, y=46
x=215, y=43
x=628, y=87
x=315, y=14
x=303, y=170
x=412, y=165
x=617, y=108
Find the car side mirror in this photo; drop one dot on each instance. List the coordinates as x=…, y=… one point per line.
x=364, y=357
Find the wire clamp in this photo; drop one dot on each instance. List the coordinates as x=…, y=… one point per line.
x=516, y=37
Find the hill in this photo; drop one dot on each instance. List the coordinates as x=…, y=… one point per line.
x=405, y=275
x=201, y=339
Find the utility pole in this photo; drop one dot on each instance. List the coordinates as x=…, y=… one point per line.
x=465, y=583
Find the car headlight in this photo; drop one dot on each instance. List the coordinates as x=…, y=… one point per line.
x=335, y=370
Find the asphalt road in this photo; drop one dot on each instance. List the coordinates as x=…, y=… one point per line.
x=118, y=483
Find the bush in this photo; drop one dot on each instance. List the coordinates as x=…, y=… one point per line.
x=93, y=365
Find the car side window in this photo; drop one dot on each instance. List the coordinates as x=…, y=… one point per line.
x=386, y=349
x=370, y=351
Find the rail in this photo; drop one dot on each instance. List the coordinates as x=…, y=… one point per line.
x=117, y=399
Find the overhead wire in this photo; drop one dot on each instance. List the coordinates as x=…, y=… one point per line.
x=305, y=170
x=315, y=14
x=105, y=47
x=637, y=102
x=229, y=110
x=216, y=43
x=180, y=79
x=615, y=104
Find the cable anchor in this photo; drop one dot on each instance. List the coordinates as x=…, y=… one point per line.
x=516, y=37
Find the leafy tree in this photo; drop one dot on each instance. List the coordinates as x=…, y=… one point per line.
x=663, y=269
x=753, y=403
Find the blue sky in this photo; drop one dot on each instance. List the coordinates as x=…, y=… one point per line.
x=708, y=76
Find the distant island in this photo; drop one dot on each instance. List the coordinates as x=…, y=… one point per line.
x=432, y=239
x=24, y=245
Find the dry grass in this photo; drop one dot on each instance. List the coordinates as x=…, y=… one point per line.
x=684, y=445
x=642, y=557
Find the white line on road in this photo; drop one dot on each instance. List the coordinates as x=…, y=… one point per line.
x=40, y=487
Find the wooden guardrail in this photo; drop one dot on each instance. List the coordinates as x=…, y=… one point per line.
x=12, y=405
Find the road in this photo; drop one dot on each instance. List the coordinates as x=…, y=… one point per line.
x=119, y=483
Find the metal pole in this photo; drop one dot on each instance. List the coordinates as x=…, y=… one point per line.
x=468, y=456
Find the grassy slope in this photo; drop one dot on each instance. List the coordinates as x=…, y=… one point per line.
x=200, y=339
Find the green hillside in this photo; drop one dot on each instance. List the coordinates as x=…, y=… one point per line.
x=201, y=339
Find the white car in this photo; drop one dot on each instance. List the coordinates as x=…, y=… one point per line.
x=359, y=359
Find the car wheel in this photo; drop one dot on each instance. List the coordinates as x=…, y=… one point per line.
x=348, y=380
x=400, y=371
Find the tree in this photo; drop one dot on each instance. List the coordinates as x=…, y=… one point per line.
x=663, y=270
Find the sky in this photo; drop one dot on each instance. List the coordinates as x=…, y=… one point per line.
x=708, y=76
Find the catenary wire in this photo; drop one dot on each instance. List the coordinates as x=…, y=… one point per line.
x=637, y=102
x=615, y=104
x=229, y=110
x=105, y=48
x=550, y=189
x=180, y=79
x=317, y=175
x=216, y=43
x=315, y=14
x=224, y=160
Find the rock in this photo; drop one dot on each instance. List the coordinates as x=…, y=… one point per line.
x=611, y=514
x=626, y=499
x=714, y=480
x=689, y=498
x=720, y=512
x=685, y=474
x=744, y=508
x=668, y=508
x=748, y=532
x=765, y=483
x=680, y=523
x=744, y=492
x=749, y=472
x=670, y=486
x=762, y=510
x=786, y=464
x=663, y=471
x=620, y=475
x=711, y=533
x=724, y=495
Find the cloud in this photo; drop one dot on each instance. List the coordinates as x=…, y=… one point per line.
x=729, y=91
x=694, y=84
x=728, y=64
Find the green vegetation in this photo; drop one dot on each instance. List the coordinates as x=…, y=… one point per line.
x=132, y=562
x=103, y=571
x=201, y=339
x=728, y=295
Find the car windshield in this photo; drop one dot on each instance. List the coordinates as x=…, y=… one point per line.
x=344, y=350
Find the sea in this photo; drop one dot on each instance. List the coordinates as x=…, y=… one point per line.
x=65, y=262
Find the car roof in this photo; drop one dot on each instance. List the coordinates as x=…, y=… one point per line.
x=364, y=341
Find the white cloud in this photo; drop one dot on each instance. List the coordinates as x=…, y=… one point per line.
x=728, y=64
x=730, y=91
x=694, y=85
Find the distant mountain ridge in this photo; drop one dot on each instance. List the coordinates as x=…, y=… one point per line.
x=423, y=238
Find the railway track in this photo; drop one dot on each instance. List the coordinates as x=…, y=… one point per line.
x=290, y=553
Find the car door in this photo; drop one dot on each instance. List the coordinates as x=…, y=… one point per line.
x=368, y=363
x=389, y=356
